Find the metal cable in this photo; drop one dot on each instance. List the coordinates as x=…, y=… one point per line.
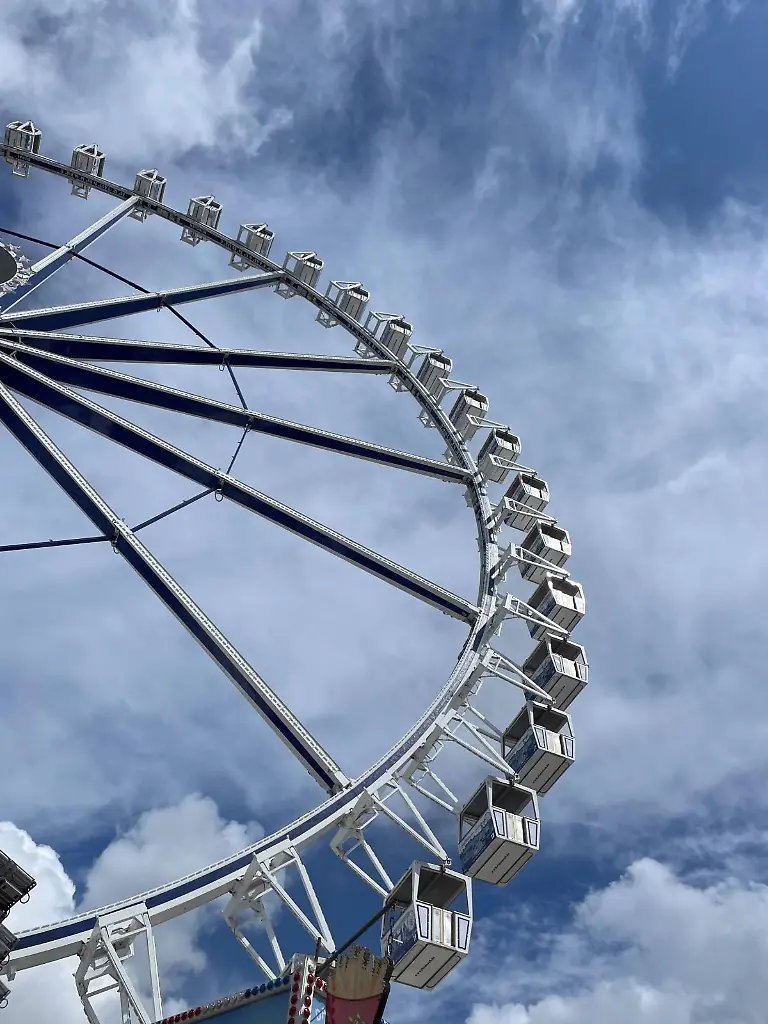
x=69, y=542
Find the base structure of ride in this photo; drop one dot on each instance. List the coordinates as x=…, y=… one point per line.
x=427, y=921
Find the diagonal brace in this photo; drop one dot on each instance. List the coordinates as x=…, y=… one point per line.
x=47, y=267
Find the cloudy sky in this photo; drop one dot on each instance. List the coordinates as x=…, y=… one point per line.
x=569, y=197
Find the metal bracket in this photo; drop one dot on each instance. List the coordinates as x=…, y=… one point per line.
x=418, y=774
x=511, y=607
x=249, y=898
x=515, y=554
x=424, y=833
x=501, y=667
x=350, y=836
x=506, y=507
x=102, y=957
x=486, y=752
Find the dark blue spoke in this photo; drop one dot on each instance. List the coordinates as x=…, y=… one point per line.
x=119, y=385
x=125, y=351
x=61, y=317
x=62, y=399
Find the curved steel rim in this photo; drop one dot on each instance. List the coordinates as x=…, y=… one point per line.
x=65, y=938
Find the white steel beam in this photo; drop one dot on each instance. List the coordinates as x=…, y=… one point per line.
x=427, y=838
x=47, y=267
x=102, y=959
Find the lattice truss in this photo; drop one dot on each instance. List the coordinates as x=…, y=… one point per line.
x=44, y=358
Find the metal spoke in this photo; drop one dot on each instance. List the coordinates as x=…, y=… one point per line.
x=315, y=759
x=119, y=385
x=126, y=351
x=35, y=544
x=60, y=317
x=48, y=266
x=67, y=402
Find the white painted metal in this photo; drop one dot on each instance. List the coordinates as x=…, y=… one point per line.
x=248, y=901
x=494, y=663
x=43, y=269
x=249, y=876
x=258, y=239
x=499, y=454
x=538, y=745
x=431, y=924
x=551, y=547
x=205, y=211
x=425, y=835
x=348, y=297
x=86, y=160
x=561, y=601
x=350, y=837
x=468, y=412
x=393, y=331
x=498, y=831
x=102, y=965
x=21, y=138
x=396, y=336
x=149, y=184
x=526, y=494
x=560, y=667
x=303, y=268
x=432, y=374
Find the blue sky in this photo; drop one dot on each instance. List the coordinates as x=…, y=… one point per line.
x=568, y=196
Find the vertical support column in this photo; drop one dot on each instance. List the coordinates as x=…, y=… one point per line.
x=102, y=960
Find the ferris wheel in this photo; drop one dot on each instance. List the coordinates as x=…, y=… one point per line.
x=427, y=926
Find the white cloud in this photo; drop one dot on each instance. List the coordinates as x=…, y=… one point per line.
x=163, y=844
x=623, y=400
x=689, y=19
x=648, y=949
x=148, y=83
x=52, y=898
